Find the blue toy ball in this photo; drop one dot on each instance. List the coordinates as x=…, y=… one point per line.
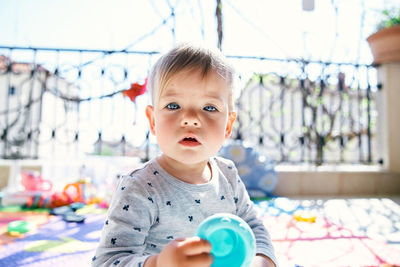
x=256, y=171
x=232, y=240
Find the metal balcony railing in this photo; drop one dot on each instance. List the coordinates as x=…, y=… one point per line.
x=69, y=102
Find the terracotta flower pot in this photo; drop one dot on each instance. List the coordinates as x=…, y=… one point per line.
x=385, y=45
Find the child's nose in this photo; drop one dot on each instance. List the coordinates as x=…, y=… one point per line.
x=190, y=119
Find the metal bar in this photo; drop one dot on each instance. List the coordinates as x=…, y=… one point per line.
x=80, y=50
x=298, y=60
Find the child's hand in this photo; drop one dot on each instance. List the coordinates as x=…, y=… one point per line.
x=182, y=252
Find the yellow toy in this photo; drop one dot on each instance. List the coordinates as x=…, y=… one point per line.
x=304, y=216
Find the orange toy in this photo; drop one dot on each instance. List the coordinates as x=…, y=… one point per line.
x=82, y=191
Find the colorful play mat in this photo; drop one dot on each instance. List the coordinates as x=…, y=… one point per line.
x=309, y=232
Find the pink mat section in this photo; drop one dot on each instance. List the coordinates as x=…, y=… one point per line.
x=352, y=232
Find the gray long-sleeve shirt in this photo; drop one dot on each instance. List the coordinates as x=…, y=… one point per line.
x=150, y=208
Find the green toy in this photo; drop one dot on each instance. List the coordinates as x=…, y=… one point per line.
x=16, y=228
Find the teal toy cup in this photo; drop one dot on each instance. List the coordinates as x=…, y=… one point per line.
x=232, y=240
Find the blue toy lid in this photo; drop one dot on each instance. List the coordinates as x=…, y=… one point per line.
x=232, y=240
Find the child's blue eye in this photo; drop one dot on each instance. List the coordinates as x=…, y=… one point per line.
x=210, y=108
x=173, y=106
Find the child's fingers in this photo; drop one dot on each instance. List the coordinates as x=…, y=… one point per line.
x=203, y=259
x=194, y=246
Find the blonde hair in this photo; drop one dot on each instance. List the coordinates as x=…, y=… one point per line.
x=189, y=57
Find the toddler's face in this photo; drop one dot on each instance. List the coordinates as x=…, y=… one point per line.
x=191, y=118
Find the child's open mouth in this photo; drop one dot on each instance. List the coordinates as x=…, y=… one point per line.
x=189, y=141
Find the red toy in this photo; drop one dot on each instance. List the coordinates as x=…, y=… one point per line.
x=135, y=90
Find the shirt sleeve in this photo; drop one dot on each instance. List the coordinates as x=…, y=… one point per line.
x=130, y=216
x=245, y=209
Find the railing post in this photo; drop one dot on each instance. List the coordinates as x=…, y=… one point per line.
x=388, y=123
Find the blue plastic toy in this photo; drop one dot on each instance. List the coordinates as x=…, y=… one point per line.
x=256, y=171
x=232, y=240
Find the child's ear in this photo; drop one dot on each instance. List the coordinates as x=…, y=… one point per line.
x=229, y=125
x=150, y=117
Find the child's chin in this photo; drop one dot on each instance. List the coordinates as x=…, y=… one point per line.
x=192, y=158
